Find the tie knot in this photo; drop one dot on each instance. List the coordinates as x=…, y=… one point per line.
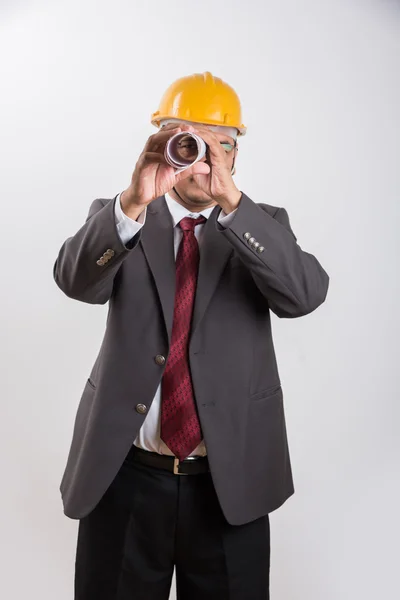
x=188, y=223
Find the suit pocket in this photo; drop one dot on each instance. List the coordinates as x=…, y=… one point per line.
x=267, y=393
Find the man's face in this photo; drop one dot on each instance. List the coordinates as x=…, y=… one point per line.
x=188, y=189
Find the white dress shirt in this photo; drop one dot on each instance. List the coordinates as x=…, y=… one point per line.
x=149, y=434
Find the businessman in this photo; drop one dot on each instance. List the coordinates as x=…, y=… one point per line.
x=179, y=450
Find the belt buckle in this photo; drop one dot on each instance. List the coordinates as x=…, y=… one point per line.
x=176, y=467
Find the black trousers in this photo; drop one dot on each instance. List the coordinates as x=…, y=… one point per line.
x=149, y=521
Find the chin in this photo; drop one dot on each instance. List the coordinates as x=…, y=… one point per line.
x=199, y=197
x=191, y=193
x=194, y=193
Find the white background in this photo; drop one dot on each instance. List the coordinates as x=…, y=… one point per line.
x=320, y=86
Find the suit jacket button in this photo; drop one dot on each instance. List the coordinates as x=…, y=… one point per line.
x=251, y=241
x=160, y=359
x=260, y=249
x=247, y=236
x=141, y=409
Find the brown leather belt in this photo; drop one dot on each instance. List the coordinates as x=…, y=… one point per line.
x=192, y=465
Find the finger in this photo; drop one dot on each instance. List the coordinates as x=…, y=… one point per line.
x=200, y=129
x=172, y=130
x=215, y=150
x=186, y=127
x=152, y=157
x=200, y=168
x=159, y=139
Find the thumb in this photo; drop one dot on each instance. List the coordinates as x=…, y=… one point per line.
x=200, y=168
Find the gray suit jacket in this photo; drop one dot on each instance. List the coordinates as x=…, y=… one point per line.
x=231, y=353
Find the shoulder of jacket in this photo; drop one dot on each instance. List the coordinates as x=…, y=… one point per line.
x=105, y=201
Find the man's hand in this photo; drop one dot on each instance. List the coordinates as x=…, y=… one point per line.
x=153, y=177
x=218, y=183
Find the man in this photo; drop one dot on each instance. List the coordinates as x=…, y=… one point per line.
x=179, y=449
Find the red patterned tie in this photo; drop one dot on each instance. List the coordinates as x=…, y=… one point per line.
x=180, y=425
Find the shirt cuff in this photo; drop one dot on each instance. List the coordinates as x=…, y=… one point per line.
x=127, y=228
x=224, y=219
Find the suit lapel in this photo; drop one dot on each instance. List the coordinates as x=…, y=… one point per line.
x=158, y=245
x=214, y=253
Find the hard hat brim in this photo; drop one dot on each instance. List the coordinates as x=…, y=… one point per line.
x=156, y=119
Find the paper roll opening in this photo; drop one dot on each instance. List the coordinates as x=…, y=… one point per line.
x=184, y=149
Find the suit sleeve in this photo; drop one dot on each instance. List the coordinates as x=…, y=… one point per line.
x=88, y=261
x=291, y=280
x=127, y=228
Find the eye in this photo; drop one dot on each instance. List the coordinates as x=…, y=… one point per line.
x=227, y=147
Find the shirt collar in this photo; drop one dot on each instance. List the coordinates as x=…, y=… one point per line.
x=178, y=212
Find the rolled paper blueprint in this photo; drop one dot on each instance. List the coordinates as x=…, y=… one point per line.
x=184, y=150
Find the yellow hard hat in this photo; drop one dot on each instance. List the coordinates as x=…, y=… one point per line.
x=201, y=98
